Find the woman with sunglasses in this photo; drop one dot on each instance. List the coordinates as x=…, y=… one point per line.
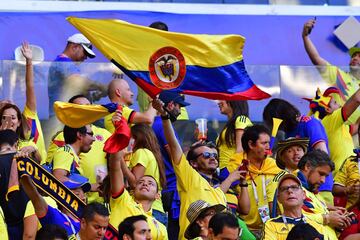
x=146, y=160
x=26, y=124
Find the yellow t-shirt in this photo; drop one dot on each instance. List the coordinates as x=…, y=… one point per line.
x=29, y=211
x=183, y=114
x=35, y=134
x=341, y=144
x=334, y=76
x=262, y=178
x=3, y=228
x=127, y=113
x=125, y=206
x=314, y=208
x=93, y=163
x=25, y=143
x=349, y=174
x=276, y=229
x=147, y=159
x=64, y=157
x=225, y=152
x=192, y=187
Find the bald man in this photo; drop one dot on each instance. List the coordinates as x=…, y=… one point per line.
x=119, y=92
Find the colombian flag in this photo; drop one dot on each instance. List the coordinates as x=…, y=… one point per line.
x=77, y=116
x=209, y=66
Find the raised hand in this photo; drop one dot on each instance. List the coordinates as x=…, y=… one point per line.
x=26, y=51
x=308, y=26
x=158, y=105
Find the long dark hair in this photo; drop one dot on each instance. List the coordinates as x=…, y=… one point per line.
x=20, y=131
x=284, y=110
x=144, y=137
x=239, y=108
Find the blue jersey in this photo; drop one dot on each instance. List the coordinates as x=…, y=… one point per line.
x=54, y=216
x=169, y=169
x=313, y=129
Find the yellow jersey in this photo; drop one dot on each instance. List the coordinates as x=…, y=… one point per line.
x=124, y=206
x=341, y=144
x=127, y=113
x=35, y=134
x=93, y=163
x=346, y=82
x=226, y=152
x=192, y=187
x=259, y=187
x=349, y=174
x=146, y=158
x=278, y=228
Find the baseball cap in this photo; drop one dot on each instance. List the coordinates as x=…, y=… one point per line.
x=289, y=176
x=353, y=50
x=168, y=96
x=78, y=181
x=84, y=42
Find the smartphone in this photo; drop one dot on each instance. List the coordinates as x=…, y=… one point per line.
x=244, y=167
x=6, y=120
x=312, y=27
x=351, y=215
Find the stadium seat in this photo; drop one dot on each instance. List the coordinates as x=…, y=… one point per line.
x=38, y=54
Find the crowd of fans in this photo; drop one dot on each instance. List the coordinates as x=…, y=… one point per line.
x=307, y=187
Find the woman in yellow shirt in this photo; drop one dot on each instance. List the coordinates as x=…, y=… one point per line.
x=146, y=160
x=26, y=125
x=229, y=141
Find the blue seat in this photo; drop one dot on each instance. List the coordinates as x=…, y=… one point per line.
x=340, y=2
x=197, y=1
x=247, y=1
x=136, y=0
x=299, y=2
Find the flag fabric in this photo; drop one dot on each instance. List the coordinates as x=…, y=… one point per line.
x=77, y=116
x=209, y=66
x=119, y=139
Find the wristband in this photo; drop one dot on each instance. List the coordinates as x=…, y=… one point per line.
x=166, y=117
x=243, y=184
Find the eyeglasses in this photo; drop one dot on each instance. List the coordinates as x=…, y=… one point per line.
x=208, y=155
x=293, y=188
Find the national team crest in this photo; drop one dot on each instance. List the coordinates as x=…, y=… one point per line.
x=167, y=68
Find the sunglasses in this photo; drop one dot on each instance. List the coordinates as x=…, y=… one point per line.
x=90, y=133
x=208, y=155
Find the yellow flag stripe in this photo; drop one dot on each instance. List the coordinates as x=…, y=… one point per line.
x=132, y=45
